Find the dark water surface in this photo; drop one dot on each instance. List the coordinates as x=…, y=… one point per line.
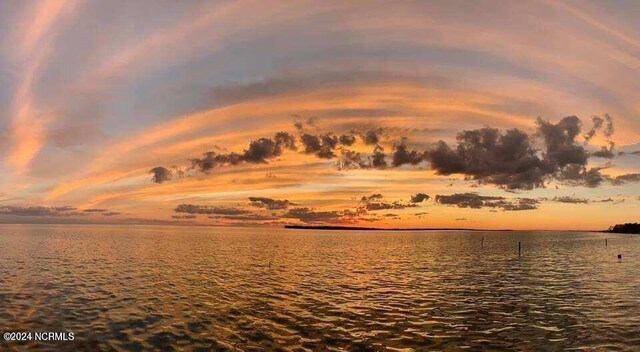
x=187, y=288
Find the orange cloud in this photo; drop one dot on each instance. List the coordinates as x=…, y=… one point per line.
x=33, y=48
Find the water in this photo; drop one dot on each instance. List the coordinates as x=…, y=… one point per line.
x=187, y=288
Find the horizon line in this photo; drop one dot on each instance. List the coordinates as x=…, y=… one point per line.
x=304, y=227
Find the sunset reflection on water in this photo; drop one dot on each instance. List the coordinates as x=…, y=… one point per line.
x=176, y=288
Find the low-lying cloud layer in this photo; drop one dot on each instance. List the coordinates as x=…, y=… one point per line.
x=308, y=215
x=366, y=209
x=374, y=202
x=570, y=200
x=209, y=210
x=64, y=211
x=270, y=203
x=476, y=201
x=52, y=211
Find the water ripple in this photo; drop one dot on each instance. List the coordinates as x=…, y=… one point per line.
x=176, y=288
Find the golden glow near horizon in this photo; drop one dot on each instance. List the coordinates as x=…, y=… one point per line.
x=91, y=103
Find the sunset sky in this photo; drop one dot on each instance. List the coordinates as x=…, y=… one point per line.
x=321, y=112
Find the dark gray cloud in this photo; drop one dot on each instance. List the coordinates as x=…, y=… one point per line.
x=373, y=206
x=509, y=159
x=212, y=160
x=419, y=197
x=401, y=155
x=265, y=148
x=626, y=178
x=259, y=151
x=270, y=203
x=576, y=175
x=209, y=210
x=378, y=159
x=605, y=122
x=350, y=159
x=506, y=159
x=311, y=143
x=111, y=213
x=561, y=148
x=570, y=200
x=579, y=175
x=94, y=210
x=371, y=198
x=608, y=130
x=322, y=146
x=374, y=202
x=347, y=140
x=606, y=152
x=371, y=137
x=477, y=201
x=160, y=174
x=469, y=200
x=521, y=204
x=598, y=123
x=488, y=156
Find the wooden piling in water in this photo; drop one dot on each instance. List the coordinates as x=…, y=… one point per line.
x=606, y=244
x=519, y=249
x=482, y=242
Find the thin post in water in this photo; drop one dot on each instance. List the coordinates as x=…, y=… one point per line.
x=606, y=244
x=519, y=249
x=482, y=242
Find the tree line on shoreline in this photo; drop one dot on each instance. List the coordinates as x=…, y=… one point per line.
x=625, y=228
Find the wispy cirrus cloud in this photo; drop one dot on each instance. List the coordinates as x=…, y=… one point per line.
x=32, y=44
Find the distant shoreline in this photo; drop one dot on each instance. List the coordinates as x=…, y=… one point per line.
x=628, y=228
x=357, y=228
x=302, y=227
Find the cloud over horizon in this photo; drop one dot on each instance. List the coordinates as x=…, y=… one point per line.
x=476, y=201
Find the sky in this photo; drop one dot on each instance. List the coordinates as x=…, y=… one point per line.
x=483, y=114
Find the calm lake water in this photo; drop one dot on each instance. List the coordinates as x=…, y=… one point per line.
x=188, y=288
